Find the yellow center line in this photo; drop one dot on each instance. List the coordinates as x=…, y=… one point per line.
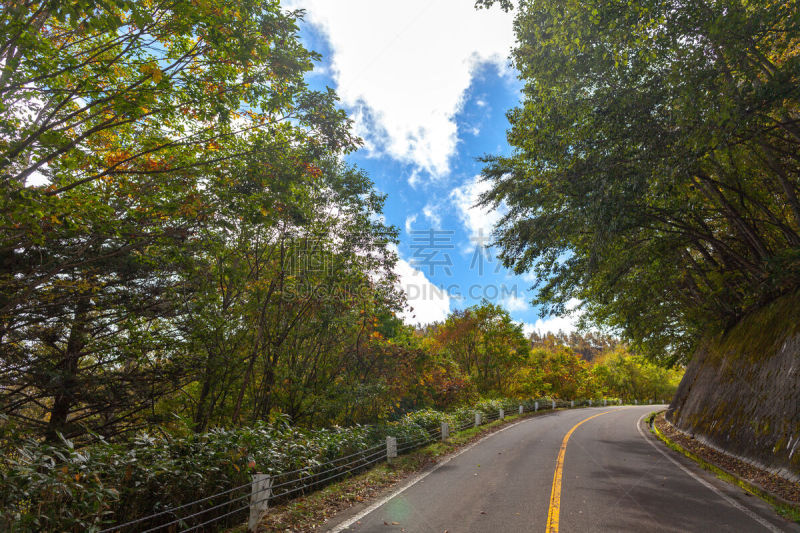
x=555, y=494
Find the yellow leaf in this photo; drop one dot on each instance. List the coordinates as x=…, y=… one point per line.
x=152, y=70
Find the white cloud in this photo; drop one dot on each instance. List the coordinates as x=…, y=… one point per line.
x=567, y=323
x=479, y=221
x=414, y=178
x=513, y=302
x=554, y=324
x=431, y=213
x=405, y=66
x=527, y=329
x=360, y=127
x=409, y=222
x=319, y=70
x=429, y=303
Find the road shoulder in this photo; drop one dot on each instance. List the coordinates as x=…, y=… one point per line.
x=781, y=493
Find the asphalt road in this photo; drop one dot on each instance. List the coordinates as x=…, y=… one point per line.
x=616, y=477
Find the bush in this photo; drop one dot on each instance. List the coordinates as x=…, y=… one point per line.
x=465, y=414
x=428, y=418
x=492, y=406
x=59, y=488
x=51, y=488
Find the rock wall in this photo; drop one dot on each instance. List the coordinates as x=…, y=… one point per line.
x=741, y=393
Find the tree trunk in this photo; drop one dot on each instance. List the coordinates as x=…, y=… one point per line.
x=67, y=383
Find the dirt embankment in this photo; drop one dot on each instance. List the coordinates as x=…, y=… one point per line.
x=741, y=392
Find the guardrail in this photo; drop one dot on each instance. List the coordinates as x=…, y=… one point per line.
x=252, y=500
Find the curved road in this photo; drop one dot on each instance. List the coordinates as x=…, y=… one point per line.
x=615, y=476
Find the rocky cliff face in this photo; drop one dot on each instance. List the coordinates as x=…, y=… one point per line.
x=741, y=393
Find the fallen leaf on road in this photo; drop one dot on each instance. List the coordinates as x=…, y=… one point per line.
x=483, y=512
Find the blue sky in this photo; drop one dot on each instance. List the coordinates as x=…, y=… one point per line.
x=428, y=85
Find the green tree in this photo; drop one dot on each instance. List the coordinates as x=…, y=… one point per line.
x=655, y=171
x=292, y=273
x=486, y=343
x=118, y=124
x=563, y=373
x=633, y=377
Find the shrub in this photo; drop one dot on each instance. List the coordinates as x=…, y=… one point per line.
x=59, y=488
x=491, y=406
x=428, y=418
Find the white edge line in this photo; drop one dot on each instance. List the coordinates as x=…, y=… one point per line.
x=347, y=523
x=706, y=484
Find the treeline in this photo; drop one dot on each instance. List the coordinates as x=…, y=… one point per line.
x=488, y=355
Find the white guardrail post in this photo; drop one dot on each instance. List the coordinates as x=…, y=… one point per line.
x=445, y=431
x=521, y=409
x=605, y=402
x=554, y=403
x=590, y=403
x=477, y=419
x=502, y=414
x=391, y=449
x=260, y=493
x=535, y=406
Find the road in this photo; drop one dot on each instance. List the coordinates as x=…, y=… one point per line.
x=615, y=476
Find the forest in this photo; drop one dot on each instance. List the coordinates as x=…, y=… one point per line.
x=187, y=262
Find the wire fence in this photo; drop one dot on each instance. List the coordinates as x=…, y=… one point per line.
x=232, y=506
